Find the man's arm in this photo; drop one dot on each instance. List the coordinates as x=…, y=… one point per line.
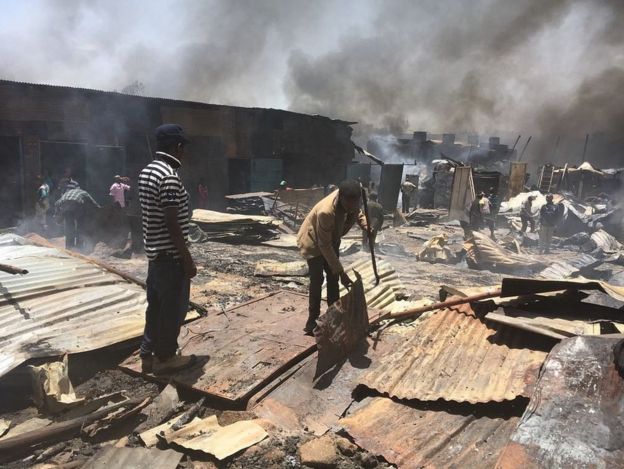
x=170, y=200
x=175, y=232
x=91, y=200
x=325, y=224
x=361, y=220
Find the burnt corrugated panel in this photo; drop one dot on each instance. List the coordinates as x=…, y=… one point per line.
x=380, y=296
x=412, y=437
x=111, y=457
x=63, y=305
x=576, y=415
x=455, y=356
x=566, y=269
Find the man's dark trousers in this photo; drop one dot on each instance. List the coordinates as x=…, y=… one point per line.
x=168, y=292
x=70, y=221
x=405, y=203
x=316, y=266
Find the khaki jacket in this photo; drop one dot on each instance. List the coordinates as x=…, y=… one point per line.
x=322, y=229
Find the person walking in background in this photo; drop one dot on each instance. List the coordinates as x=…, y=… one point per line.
x=550, y=215
x=475, y=213
x=118, y=191
x=74, y=206
x=202, y=194
x=43, y=203
x=526, y=214
x=165, y=214
x=407, y=189
x=494, y=207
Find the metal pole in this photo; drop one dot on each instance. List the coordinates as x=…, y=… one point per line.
x=585, y=148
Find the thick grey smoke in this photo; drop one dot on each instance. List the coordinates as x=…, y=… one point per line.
x=551, y=69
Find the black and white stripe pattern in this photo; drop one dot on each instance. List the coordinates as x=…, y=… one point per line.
x=160, y=187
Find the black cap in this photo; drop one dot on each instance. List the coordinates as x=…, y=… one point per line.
x=172, y=133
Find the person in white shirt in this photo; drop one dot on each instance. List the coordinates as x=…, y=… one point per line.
x=118, y=191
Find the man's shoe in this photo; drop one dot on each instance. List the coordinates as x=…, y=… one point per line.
x=309, y=332
x=173, y=364
x=147, y=363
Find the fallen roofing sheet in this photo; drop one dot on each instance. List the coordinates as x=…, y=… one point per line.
x=297, y=401
x=576, y=415
x=63, y=305
x=484, y=253
x=380, y=296
x=208, y=436
x=605, y=241
x=456, y=357
x=565, y=269
x=411, y=437
x=111, y=457
x=526, y=286
x=556, y=328
x=244, y=348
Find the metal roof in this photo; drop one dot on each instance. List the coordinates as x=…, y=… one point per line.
x=112, y=457
x=575, y=417
x=63, y=305
x=412, y=437
x=455, y=356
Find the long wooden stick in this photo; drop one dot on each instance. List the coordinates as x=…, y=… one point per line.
x=9, y=269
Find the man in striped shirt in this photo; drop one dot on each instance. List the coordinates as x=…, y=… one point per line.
x=165, y=217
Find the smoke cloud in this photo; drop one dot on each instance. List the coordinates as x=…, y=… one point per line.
x=553, y=69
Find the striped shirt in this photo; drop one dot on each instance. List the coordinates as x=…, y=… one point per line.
x=160, y=187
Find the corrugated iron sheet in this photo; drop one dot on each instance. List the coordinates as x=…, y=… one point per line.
x=566, y=269
x=240, y=351
x=297, y=401
x=111, y=457
x=380, y=296
x=576, y=415
x=413, y=438
x=455, y=356
x=63, y=305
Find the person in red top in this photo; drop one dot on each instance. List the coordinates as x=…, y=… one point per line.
x=202, y=194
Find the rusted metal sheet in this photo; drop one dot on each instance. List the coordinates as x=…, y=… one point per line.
x=455, y=356
x=526, y=286
x=244, y=348
x=296, y=400
x=462, y=193
x=111, y=457
x=565, y=269
x=576, y=415
x=416, y=437
x=517, y=178
x=556, y=328
x=63, y=305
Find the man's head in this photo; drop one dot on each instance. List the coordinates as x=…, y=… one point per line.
x=117, y=178
x=170, y=139
x=373, y=196
x=481, y=195
x=531, y=198
x=549, y=198
x=349, y=193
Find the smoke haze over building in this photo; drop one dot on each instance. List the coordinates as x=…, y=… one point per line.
x=548, y=69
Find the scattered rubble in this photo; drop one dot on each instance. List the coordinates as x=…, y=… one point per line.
x=455, y=386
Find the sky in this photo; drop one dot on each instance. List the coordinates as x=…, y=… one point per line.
x=547, y=68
